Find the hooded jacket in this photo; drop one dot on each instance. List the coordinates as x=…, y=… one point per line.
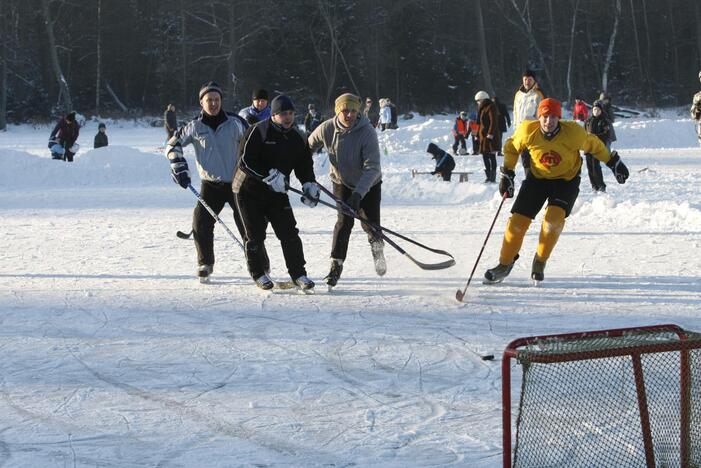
x=526, y=104
x=354, y=152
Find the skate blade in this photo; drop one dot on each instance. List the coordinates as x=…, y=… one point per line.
x=204, y=280
x=486, y=281
x=284, y=285
x=536, y=283
x=306, y=292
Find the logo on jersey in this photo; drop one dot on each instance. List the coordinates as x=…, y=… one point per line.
x=550, y=159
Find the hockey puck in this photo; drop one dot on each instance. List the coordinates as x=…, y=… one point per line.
x=488, y=357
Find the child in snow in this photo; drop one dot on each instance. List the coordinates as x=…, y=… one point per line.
x=101, y=136
x=598, y=124
x=444, y=162
x=62, y=141
x=474, y=130
x=461, y=130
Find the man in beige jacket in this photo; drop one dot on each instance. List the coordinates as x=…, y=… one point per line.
x=354, y=154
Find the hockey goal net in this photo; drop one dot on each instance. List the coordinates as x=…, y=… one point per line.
x=610, y=398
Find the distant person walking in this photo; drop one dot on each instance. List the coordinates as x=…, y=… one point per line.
x=63, y=138
x=526, y=101
x=580, y=113
x=503, y=117
x=696, y=111
x=170, y=120
x=489, y=136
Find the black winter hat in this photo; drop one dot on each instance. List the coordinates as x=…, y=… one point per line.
x=434, y=150
x=209, y=87
x=260, y=94
x=530, y=73
x=70, y=117
x=101, y=125
x=281, y=103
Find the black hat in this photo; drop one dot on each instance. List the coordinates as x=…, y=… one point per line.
x=101, y=125
x=209, y=87
x=70, y=117
x=434, y=150
x=281, y=103
x=530, y=73
x=260, y=94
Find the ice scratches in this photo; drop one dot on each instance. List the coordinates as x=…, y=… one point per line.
x=183, y=411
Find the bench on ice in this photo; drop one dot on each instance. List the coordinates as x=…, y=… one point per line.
x=462, y=175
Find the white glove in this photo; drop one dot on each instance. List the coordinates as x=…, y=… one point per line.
x=311, y=194
x=276, y=181
x=74, y=149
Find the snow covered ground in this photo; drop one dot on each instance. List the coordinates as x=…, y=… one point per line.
x=111, y=354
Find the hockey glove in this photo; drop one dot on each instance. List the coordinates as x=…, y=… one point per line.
x=506, y=183
x=276, y=181
x=311, y=194
x=179, y=171
x=354, y=201
x=620, y=171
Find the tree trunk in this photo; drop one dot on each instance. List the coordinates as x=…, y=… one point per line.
x=638, y=55
x=527, y=30
x=697, y=13
x=98, y=76
x=231, y=60
x=569, y=62
x=4, y=38
x=183, y=54
x=64, y=91
x=609, y=51
x=484, y=59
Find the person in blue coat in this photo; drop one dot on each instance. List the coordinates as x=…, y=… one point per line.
x=258, y=110
x=444, y=162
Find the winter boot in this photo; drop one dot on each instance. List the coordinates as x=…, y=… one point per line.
x=203, y=272
x=378, y=256
x=537, y=269
x=304, y=283
x=335, y=272
x=499, y=272
x=264, y=282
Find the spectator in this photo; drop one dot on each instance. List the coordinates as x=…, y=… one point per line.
x=580, y=113
x=62, y=140
x=371, y=112
x=599, y=125
x=526, y=101
x=312, y=119
x=101, y=136
x=393, y=114
x=461, y=130
x=444, y=162
x=258, y=110
x=503, y=118
x=474, y=131
x=488, y=134
x=385, y=115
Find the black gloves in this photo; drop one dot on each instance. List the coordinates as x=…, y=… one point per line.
x=354, y=201
x=506, y=183
x=179, y=171
x=311, y=194
x=620, y=171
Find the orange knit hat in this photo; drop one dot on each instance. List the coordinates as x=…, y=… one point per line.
x=550, y=106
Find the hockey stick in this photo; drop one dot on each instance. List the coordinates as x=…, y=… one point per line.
x=380, y=231
x=460, y=295
x=184, y=235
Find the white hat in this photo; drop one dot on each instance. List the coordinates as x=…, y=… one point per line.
x=481, y=95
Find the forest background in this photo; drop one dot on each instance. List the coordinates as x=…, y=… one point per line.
x=131, y=57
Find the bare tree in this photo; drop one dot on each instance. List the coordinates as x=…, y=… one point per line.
x=571, y=55
x=62, y=82
x=484, y=58
x=612, y=41
x=98, y=46
x=3, y=67
x=697, y=15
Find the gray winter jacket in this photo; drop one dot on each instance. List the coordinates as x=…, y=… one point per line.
x=354, y=153
x=215, y=150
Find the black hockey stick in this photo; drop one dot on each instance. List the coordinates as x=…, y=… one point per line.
x=184, y=235
x=380, y=231
x=460, y=294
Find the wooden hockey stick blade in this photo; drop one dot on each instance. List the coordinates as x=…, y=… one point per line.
x=183, y=235
x=460, y=295
x=431, y=266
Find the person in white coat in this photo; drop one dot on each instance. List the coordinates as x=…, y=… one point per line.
x=385, y=115
x=526, y=101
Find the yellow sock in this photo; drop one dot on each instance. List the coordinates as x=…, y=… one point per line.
x=513, y=237
x=553, y=222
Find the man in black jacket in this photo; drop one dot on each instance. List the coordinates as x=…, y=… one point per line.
x=268, y=153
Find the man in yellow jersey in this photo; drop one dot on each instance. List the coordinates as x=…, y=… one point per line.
x=554, y=147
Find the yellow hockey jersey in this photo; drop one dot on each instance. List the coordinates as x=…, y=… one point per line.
x=557, y=158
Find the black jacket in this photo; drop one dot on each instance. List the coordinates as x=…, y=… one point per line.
x=267, y=146
x=100, y=140
x=599, y=126
x=504, y=119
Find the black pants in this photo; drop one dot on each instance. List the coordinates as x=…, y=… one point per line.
x=490, y=166
x=475, y=146
x=595, y=176
x=534, y=192
x=459, y=140
x=216, y=195
x=256, y=211
x=369, y=209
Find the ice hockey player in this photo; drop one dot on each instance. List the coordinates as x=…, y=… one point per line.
x=460, y=131
x=258, y=110
x=101, y=136
x=554, y=177
x=269, y=152
x=599, y=125
x=696, y=111
x=489, y=135
x=62, y=141
x=354, y=153
x=526, y=101
x=444, y=162
x=215, y=136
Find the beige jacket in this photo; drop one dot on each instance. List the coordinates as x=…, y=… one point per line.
x=354, y=153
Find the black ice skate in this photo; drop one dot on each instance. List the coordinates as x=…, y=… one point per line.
x=264, y=282
x=335, y=273
x=499, y=272
x=304, y=284
x=537, y=270
x=204, y=272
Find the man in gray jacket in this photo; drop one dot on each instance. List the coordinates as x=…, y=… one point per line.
x=354, y=154
x=215, y=136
